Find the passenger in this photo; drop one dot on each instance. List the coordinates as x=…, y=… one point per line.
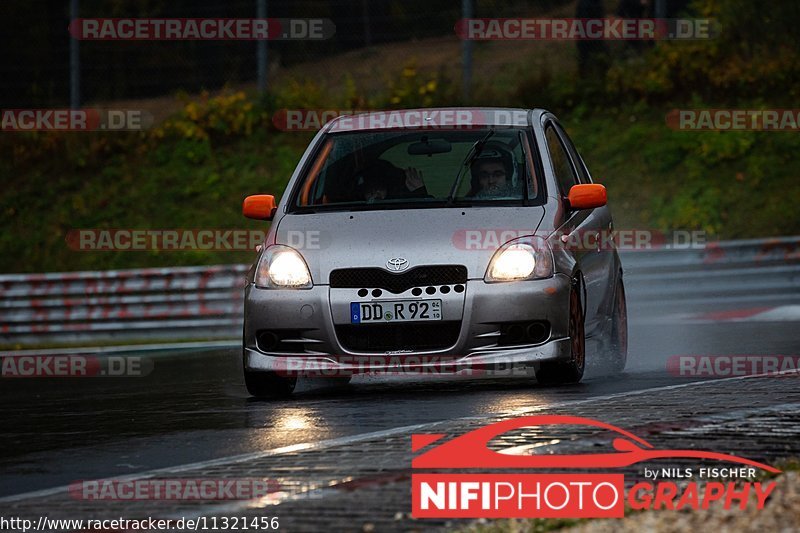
x=376, y=187
x=383, y=180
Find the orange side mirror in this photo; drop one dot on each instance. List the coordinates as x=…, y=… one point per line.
x=587, y=196
x=259, y=206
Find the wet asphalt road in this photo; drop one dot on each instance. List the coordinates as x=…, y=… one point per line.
x=193, y=407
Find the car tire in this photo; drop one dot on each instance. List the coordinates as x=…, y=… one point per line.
x=562, y=372
x=617, y=352
x=268, y=385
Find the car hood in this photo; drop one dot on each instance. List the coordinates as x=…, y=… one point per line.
x=351, y=239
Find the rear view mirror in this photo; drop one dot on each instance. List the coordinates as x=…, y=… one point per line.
x=429, y=147
x=259, y=207
x=587, y=196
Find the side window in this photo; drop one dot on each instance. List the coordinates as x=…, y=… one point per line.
x=565, y=174
x=583, y=174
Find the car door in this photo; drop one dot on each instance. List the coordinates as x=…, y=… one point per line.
x=580, y=227
x=603, y=263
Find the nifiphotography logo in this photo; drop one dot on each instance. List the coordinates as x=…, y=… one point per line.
x=507, y=492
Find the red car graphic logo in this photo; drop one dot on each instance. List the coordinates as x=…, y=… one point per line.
x=470, y=450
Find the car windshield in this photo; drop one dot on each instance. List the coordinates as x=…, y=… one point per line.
x=420, y=168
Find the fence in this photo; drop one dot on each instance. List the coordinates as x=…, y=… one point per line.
x=158, y=304
x=39, y=74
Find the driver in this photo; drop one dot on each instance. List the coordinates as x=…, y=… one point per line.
x=492, y=173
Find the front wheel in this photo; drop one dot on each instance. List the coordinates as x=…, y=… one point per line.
x=268, y=385
x=561, y=372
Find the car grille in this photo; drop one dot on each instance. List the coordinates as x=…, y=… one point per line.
x=378, y=278
x=389, y=337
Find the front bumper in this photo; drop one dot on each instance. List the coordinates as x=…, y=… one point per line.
x=481, y=310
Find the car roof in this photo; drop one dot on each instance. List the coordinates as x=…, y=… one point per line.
x=433, y=118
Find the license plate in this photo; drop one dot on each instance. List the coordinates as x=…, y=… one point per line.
x=395, y=311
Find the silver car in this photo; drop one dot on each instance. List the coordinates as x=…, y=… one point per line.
x=434, y=239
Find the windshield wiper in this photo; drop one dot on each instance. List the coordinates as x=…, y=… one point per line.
x=473, y=153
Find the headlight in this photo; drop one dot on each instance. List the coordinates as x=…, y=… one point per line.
x=282, y=267
x=526, y=258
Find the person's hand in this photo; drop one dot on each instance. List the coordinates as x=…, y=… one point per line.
x=413, y=179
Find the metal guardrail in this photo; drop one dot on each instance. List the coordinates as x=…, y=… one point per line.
x=157, y=304
x=744, y=272
x=130, y=305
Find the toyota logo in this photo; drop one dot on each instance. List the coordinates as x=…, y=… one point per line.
x=397, y=264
